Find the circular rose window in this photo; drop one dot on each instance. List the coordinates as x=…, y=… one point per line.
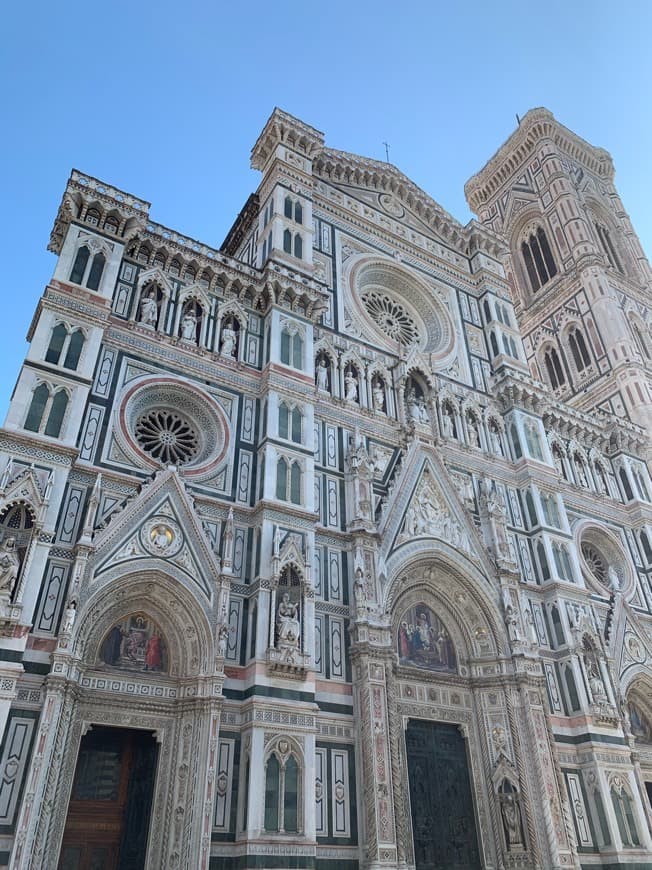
x=167, y=436
x=164, y=421
x=391, y=304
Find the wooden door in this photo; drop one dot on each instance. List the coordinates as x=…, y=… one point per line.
x=109, y=810
x=443, y=822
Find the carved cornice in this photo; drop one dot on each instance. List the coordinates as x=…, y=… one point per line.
x=283, y=128
x=536, y=125
x=85, y=188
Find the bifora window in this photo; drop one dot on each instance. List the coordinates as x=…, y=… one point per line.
x=538, y=259
x=167, y=436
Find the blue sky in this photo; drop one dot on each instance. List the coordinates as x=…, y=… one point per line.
x=166, y=99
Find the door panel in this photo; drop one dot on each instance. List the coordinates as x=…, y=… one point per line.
x=443, y=821
x=110, y=804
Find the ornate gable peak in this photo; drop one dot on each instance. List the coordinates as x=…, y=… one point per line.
x=155, y=276
x=535, y=125
x=166, y=493
x=346, y=168
x=283, y=128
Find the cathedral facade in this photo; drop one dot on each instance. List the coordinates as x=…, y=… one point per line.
x=331, y=547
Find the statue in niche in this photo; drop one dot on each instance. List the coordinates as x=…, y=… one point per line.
x=189, y=326
x=447, y=422
x=592, y=665
x=321, y=375
x=287, y=622
x=496, y=442
x=424, y=642
x=496, y=518
x=413, y=413
x=511, y=816
x=359, y=589
x=229, y=340
x=424, y=417
x=9, y=565
x=474, y=434
x=69, y=618
x=149, y=310
x=350, y=386
x=135, y=644
x=378, y=395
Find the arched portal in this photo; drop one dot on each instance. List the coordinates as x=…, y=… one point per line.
x=137, y=674
x=441, y=734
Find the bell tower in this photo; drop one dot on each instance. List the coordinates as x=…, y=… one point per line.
x=579, y=276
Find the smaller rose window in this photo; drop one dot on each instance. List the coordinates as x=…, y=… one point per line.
x=595, y=562
x=394, y=320
x=167, y=436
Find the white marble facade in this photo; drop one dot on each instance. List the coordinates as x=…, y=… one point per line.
x=363, y=468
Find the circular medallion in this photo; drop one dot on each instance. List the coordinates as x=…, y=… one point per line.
x=161, y=537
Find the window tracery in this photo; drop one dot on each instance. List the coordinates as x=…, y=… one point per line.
x=537, y=258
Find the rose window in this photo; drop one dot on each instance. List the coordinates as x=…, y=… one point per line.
x=595, y=562
x=392, y=318
x=167, y=436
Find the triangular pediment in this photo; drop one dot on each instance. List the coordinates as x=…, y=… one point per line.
x=427, y=505
x=386, y=189
x=25, y=484
x=158, y=527
x=155, y=276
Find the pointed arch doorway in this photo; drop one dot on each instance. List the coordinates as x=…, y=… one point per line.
x=443, y=819
x=109, y=811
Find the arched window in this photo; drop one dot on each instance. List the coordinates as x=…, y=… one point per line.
x=550, y=509
x=287, y=241
x=175, y=268
x=494, y=343
x=40, y=398
x=57, y=340
x=291, y=348
x=73, y=353
x=516, y=443
x=95, y=275
x=298, y=213
x=627, y=488
x=289, y=423
x=159, y=260
x=190, y=274
x=639, y=338
x=579, y=350
x=298, y=246
x=92, y=217
x=79, y=266
x=531, y=510
x=647, y=549
x=272, y=789
x=533, y=440
x=537, y=258
x=282, y=794
x=487, y=311
x=287, y=207
x=543, y=561
x=111, y=225
x=641, y=485
x=46, y=411
x=554, y=368
x=253, y=623
x=57, y=413
x=144, y=254
x=295, y=483
x=282, y=479
x=608, y=247
x=62, y=341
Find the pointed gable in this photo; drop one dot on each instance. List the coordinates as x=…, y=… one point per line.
x=161, y=524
